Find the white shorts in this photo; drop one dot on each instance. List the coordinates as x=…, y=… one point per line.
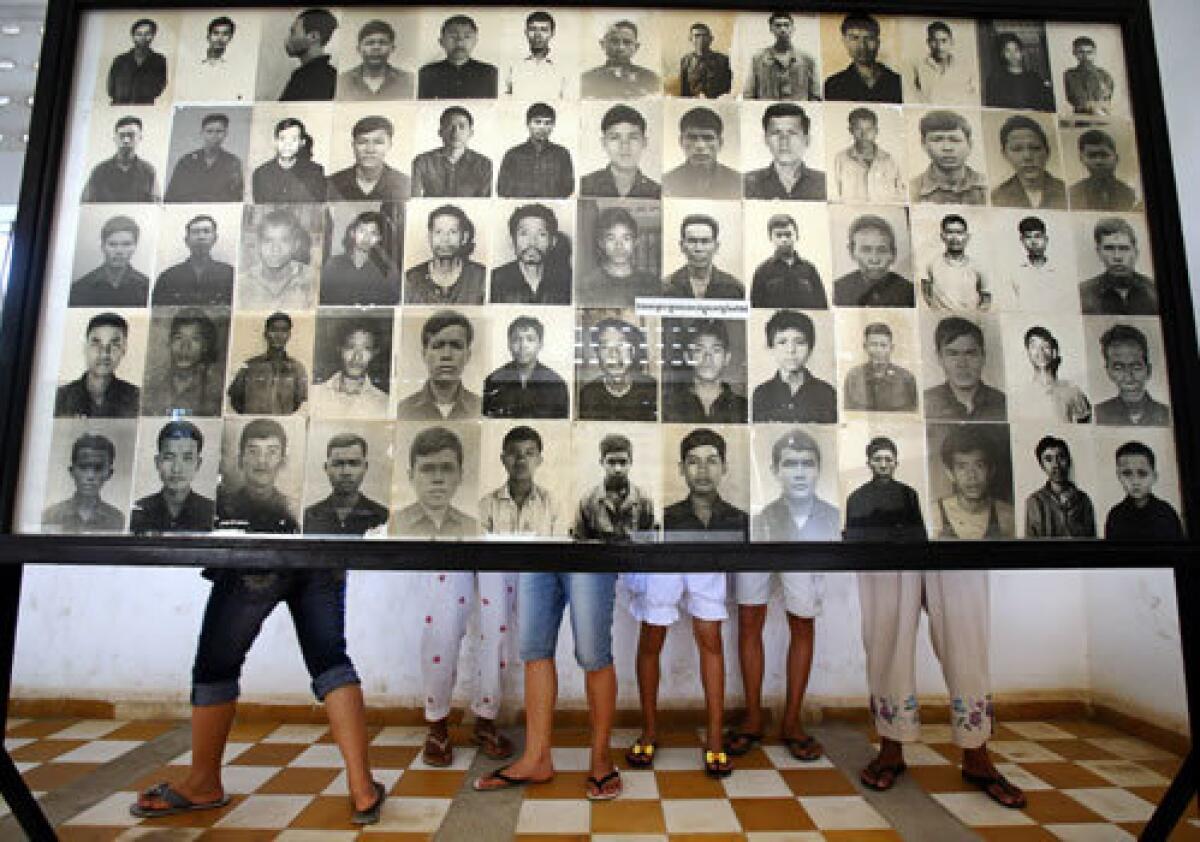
x=803, y=591
x=654, y=598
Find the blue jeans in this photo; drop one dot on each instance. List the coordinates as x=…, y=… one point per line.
x=544, y=596
x=240, y=602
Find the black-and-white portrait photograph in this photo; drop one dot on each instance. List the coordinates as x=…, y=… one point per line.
x=458, y=52
x=872, y=256
x=787, y=256
x=374, y=55
x=540, y=52
x=446, y=252
x=348, y=477
x=952, y=255
x=197, y=253
x=538, y=140
x=939, y=61
x=866, y=153
x=531, y=363
x=137, y=51
x=946, y=160
x=218, y=55
x=206, y=161
x=617, y=466
x=295, y=55
x=795, y=490
x=1116, y=277
x=435, y=480
x=620, y=51
x=175, y=475
x=1046, y=367
x=1126, y=364
x=882, y=472
x=620, y=249
x=878, y=359
x=270, y=357
x=523, y=490
x=1023, y=161
x=699, y=55
x=455, y=154
x=701, y=150
x=289, y=154
x=1056, y=471
x=534, y=248
x=1101, y=164
x=126, y=155
x=970, y=482
x=441, y=363
x=706, y=483
x=88, y=477
x=368, y=159
x=705, y=258
x=779, y=56
x=114, y=255
x=1015, y=63
x=100, y=369
x=615, y=371
x=620, y=151
x=1088, y=61
x=704, y=371
x=793, y=369
x=363, y=251
x=962, y=368
x=262, y=475
x=783, y=151
x=1137, y=486
x=352, y=354
x=189, y=378
x=1034, y=253
x=280, y=257
x=860, y=58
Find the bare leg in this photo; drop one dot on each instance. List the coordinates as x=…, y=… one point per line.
x=541, y=692
x=650, y=645
x=751, y=619
x=210, y=732
x=601, y=687
x=800, y=658
x=348, y=724
x=712, y=676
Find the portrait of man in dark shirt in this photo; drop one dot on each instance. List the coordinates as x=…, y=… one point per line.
x=124, y=177
x=210, y=173
x=1126, y=356
x=883, y=508
x=700, y=392
x=615, y=510
x=865, y=79
x=872, y=245
x=176, y=506
x=99, y=393
x=704, y=72
x=785, y=131
x=85, y=511
x=946, y=138
x=879, y=385
x=1089, y=87
x=346, y=511
x=1141, y=516
x=114, y=283
x=782, y=70
x=621, y=392
x=190, y=380
x=785, y=279
x=623, y=137
x=964, y=396
x=699, y=240
x=541, y=272
x=449, y=276
x=257, y=504
x=619, y=78
x=138, y=77
x=446, y=339
x=794, y=395
x=704, y=515
x=200, y=279
x=453, y=169
x=1101, y=189
x=371, y=179
x=702, y=175
x=375, y=78
x=458, y=76
x=524, y=387
x=1060, y=508
x=537, y=167
x=616, y=281
x=315, y=78
x=1120, y=290
x=271, y=383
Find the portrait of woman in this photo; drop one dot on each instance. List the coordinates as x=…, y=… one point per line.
x=1011, y=84
x=292, y=175
x=364, y=272
x=1045, y=394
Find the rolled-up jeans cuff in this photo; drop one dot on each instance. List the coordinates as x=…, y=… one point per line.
x=215, y=693
x=332, y=679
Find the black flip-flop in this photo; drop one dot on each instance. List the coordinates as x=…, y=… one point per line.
x=806, y=750
x=989, y=784
x=176, y=803
x=738, y=743
x=599, y=783
x=508, y=780
x=370, y=815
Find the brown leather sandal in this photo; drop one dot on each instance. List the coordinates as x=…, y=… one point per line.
x=437, y=751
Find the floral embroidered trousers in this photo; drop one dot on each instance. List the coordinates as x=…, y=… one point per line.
x=447, y=602
x=957, y=604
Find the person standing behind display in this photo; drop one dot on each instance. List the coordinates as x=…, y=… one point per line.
x=704, y=72
x=176, y=507
x=375, y=78
x=315, y=78
x=198, y=280
x=883, y=508
x=1059, y=509
x=140, y=75
x=292, y=175
x=210, y=173
x=272, y=383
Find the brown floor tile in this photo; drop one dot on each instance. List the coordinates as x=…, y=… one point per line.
x=40, y=728
x=861, y=836
x=422, y=784
x=198, y=818
x=269, y=754
x=818, y=782
x=766, y=814
x=680, y=739
x=707, y=837
x=688, y=784
x=939, y=778
x=755, y=758
x=88, y=834
x=44, y=750
x=1185, y=833
x=372, y=733
x=1003, y=732
x=143, y=730
x=1168, y=766
x=397, y=836
x=572, y=738
x=1078, y=750
x=544, y=837
x=950, y=751
x=51, y=776
x=562, y=785
x=325, y=812
x=250, y=732
x=392, y=757
x=1089, y=728
x=628, y=817
x=1064, y=775
x=1049, y=806
x=298, y=782
x=1015, y=834
x=237, y=835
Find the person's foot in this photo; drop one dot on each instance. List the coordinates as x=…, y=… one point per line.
x=803, y=747
x=604, y=786
x=640, y=755
x=490, y=741
x=504, y=778
x=884, y=770
x=166, y=799
x=365, y=799
x=978, y=770
x=744, y=736
x=438, y=750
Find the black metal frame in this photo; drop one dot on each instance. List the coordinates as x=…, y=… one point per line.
x=22, y=311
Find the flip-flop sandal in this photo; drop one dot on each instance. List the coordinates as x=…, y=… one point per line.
x=176, y=803
x=370, y=815
x=599, y=783
x=996, y=787
x=437, y=751
x=885, y=775
x=805, y=749
x=492, y=743
x=717, y=765
x=738, y=743
x=641, y=755
x=506, y=781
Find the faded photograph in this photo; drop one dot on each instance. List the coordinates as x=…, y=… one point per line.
x=176, y=470
x=534, y=253
x=1015, y=63
x=620, y=252
x=780, y=53
x=518, y=498
x=704, y=371
x=953, y=258
x=1055, y=474
x=1102, y=167
x=352, y=356
x=128, y=147
x=280, y=257
x=262, y=475
x=437, y=355
x=878, y=356
x=368, y=161
x=1023, y=159
x=698, y=164
x=872, y=256
x=706, y=483
x=859, y=55
x=185, y=366
x=787, y=258
x=197, y=250
x=435, y=481
x=792, y=366
x=1034, y=253
x=882, y=473
x=792, y=165
x=446, y=249
x=348, y=477
x=617, y=352
x=696, y=60
x=460, y=163
x=618, y=482
x=627, y=161
x=531, y=359
x=709, y=246
x=1124, y=285
x=1088, y=62
x=947, y=165
x=963, y=369
x=540, y=52
x=206, y=158
x=295, y=56
x=1137, y=490
x=970, y=482
x=940, y=63
x=867, y=153
x=1046, y=370
x=101, y=365
x=621, y=68
x=269, y=359
x=89, y=477
x=135, y=56
x=795, y=492
x=364, y=243
x=375, y=56
x=218, y=55
x=289, y=150
x=457, y=53
x=114, y=255
x=1127, y=369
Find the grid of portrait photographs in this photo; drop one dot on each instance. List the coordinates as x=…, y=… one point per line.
x=615, y=275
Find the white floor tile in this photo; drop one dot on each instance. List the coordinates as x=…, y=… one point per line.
x=785, y=836
x=265, y=811
x=232, y=750
x=1024, y=751
x=98, y=751
x=1124, y=772
x=919, y=754
x=623, y=738
x=296, y=734
x=975, y=809
x=571, y=759
x=842, y=812
x=781, y=758
x=338, y=785
x=145, y=833
x=245, y=780
x=700, y=815
x=13, y=743
x=1039, y=731
x=464, y=756
x=293, y=835
x=1130, y=748
x=111, y=812
x=396, y=735
x=88, y=729
x=14, y=723
x=677, y=758
x=628, y=837
x=320, y=756
x=555, y=815
x=1089, y=833
x=411, y=815
x=24, y=767
x=756, y=783
x=1113, y=804
x=638, y=785
x=1021, y=777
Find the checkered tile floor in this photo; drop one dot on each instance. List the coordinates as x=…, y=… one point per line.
x=1084, y=781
